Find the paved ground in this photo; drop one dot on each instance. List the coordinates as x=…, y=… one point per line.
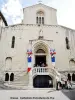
x=32, y=95
x=36, y=94
x=70, y=94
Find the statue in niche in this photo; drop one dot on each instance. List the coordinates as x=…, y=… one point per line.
x=40, y=34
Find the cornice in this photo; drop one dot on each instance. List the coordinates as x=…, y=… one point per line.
x=41, y=26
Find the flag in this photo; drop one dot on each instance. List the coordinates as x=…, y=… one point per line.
x=52, y=58
x=29, y=64
x=53, y=63
x=29, y=59
x=29, y=51
x=52, y=51
x=28, y=70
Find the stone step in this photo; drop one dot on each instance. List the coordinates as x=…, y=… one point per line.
x=17, y=86
x=17, y=83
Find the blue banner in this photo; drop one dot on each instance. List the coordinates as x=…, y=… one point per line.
x=53, y=59
x=29, y=59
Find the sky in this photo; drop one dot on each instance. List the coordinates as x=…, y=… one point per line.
x=13, y=10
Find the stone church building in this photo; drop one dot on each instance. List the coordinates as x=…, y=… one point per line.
x=35, y=37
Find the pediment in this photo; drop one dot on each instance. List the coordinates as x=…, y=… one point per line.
x=40, y=5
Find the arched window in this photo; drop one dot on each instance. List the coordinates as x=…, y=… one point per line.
x=40, y=17
x=8, y=63
x=69, y=77
x=42, y=20
x=67, y=43
x=37, y=20
x=73, y=77
x=12, y=77
x=72, y=62
x=13, y=42
x=6, y=77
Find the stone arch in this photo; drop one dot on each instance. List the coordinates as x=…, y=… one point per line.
x=41, y=53
x=40, y=11
x=42, y=81
x=8, y=58
x=51, y=75
x=41, y=45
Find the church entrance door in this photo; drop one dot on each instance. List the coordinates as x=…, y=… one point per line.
x=39, y=60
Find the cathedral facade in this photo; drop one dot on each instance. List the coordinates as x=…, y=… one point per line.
x=35, y=52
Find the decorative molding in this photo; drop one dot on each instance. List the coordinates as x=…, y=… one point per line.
x=21, y=26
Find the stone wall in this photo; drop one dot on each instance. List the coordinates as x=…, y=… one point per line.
x=24, y=33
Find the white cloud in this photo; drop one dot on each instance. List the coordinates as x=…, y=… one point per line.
x=13, y=9
x=65, y=11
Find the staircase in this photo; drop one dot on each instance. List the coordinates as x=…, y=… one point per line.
x=21, y=78
x=20, y=81
x=49, y=71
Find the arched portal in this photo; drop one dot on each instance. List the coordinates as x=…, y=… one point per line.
x=43, y=81
x=40, y=58
x=40, y=54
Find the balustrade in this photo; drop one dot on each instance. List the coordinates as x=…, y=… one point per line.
x=43, y=70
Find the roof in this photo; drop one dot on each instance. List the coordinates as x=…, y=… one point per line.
x=3, y=18
x=41, y=5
